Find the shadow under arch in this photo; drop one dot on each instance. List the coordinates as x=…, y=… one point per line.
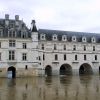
x=65, y=69
x=11, y=72
x=85, y=68
x=48, y=70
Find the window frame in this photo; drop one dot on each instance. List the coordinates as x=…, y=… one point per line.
x=11, y=55
x=12, y=43
x=24, y=56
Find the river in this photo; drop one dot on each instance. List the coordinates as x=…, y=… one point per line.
x=85, y=87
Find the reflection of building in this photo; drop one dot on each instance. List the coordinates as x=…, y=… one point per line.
x=28, y=52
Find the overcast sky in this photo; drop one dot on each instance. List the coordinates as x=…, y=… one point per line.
x=68, y=15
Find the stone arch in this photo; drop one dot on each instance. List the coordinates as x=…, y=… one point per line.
x=85, y=68
x=65, y=69
x=48, y=70
x=11, y=72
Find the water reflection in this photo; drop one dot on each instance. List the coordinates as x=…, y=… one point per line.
x=51, y=88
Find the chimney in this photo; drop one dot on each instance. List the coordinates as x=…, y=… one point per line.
x=6, y=16
x=7, y=19
x=17, y=20
x=16, y=17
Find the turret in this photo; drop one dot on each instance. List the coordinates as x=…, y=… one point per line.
x=33, y=26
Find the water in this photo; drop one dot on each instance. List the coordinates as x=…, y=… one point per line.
x=85, y=87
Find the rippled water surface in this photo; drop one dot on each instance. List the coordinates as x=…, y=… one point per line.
x=51, y=88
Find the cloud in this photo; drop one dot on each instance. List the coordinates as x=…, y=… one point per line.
x=71, y=15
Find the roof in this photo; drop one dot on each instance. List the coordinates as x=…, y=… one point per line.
x=16, y=28
x=69, y=35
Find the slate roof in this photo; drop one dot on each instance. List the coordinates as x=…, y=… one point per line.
x=69, y=34
x=16, y=28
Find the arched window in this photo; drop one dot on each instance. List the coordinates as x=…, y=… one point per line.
x=93, y=48
x=74, y=47
x=55, y=47
x=84, y=47
x=43, y=57
x=64, y=46
x=84, y=57
x=39, y=58
x=64, y=56
x=42, y=46
x=75, y=57
x=95, y=57
x=56, y=57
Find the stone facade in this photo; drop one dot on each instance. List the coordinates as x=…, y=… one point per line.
x=30, y=52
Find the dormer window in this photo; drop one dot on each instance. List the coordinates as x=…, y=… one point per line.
x=42, y=37
x=74, y=38
x=84, y=39
x=11, y=25
x=24, y=34
x=64, y=38
x=93, y=40
x=54, y=37
x=11, y=34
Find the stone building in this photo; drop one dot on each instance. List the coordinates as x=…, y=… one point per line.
x=31, y=52
x=18, y=48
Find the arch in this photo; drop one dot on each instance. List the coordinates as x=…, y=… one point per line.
x=85, y=68
x=11, y=72
x=65, y=69
x=48, y=70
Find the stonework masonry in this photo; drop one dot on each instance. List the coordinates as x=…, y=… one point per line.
x=30, y=52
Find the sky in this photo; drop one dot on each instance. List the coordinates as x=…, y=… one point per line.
x=66, y=15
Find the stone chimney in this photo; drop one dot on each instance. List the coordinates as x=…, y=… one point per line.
x=16, y=17
x=7, y=19
x=17, y=20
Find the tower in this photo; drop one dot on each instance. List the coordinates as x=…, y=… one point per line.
x=34, y=37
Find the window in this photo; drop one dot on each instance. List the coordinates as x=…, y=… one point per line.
x=24, y=56
x=0, y=56
x=83, y=39
x=43, y=57
x=0, y=44
x=84, y=57
x=64, y=38
x=26, y=67
x=56, y=57
x=95, y=57
x=12, y=43
x=64, y=56
x=42, y=36
x=24, y=46
x=84, y=47
x=42, y=47
x=11, y=25
x=64, y=46
x=24, y=35
x=54, y=37
x=55, y=47
x=74, y=47
x=93, y=48
x=12, y=34
x=39, y=58
x=75, y=57
x=74, y=38
x=11, y=55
